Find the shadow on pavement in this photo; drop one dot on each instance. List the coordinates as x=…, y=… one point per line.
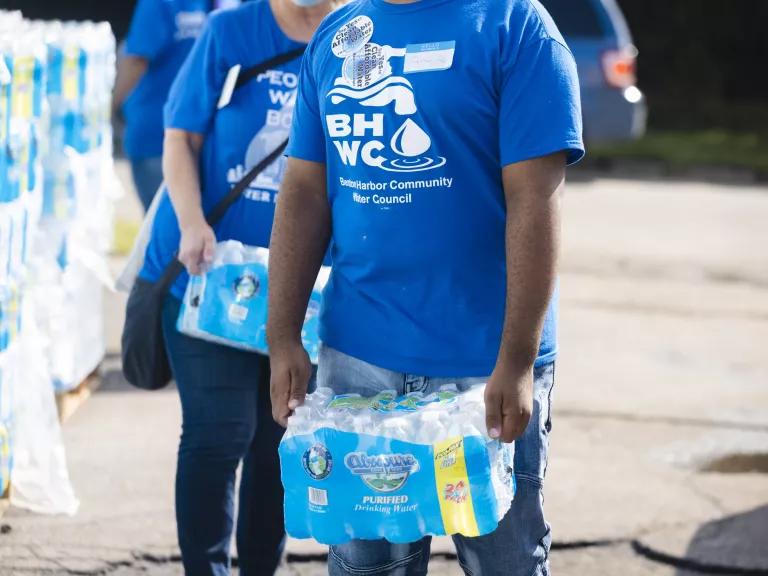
x=112, y=380
x=735, y=545
x=738, y=544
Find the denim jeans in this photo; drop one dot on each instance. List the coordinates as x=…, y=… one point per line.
x=226, y=419
x=147, y=177
x=520, y=545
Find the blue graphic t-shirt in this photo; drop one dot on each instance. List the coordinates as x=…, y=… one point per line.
x=238, y=136
x=163, y=32
x=415, y=108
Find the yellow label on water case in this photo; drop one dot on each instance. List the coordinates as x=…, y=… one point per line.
x=453, y=489
x=71, y=75
x=23, y=87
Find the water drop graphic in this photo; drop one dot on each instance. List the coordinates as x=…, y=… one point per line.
x=410, y=140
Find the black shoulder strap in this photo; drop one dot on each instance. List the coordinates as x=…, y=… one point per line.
x=175, y=268
x=221, y=208
x=250, y=73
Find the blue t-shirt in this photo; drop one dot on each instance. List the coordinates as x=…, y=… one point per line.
x=236, y=137
x=163, y=32
x=415, y=108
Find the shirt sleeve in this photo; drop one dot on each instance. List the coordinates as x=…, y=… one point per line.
x=307, y=141
x=540, y=104
x=152, y=29
x=195, y=92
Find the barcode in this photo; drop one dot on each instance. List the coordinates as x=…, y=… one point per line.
x=318, y=497
x=237, y=313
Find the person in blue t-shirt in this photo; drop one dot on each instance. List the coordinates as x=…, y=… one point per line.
x=161, y=35
x=429, y=143
x=209, y=146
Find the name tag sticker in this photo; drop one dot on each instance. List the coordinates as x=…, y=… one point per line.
x=430, y=57
x=229, y=86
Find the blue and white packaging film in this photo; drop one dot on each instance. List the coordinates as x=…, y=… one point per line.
x=398, y=468
x=6, y=457
x=10, y=314
x=228, y=304
x=6, y=454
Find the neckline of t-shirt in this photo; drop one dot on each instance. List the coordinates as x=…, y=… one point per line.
x=276, y=26
x=410, y=7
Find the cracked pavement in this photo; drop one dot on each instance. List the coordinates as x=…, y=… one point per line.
x=663, y=368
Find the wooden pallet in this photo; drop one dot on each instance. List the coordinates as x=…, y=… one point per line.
x=5, y=502
x=70, y=402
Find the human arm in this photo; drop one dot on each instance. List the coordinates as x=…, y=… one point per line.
x=149, y=35
x=532, y=191
x=130, y=69
x=189, y=114
x=181, y=161
x=300, y=236
x=539, y=133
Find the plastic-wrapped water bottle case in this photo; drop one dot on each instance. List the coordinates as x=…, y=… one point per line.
x=391, y=467
x=57, y=190
x=228, y=303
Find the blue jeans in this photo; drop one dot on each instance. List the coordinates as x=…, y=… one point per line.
x=147, y=177
x=520, y=545
x=226, y=419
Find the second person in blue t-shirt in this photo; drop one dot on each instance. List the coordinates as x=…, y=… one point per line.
x=224, y=392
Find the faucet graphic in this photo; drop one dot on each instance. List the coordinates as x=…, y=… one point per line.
x=367, y=77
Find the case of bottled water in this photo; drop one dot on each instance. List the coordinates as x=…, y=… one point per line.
x=228, y=303
x=57, y=187
x=8, y=363
x=393, y=467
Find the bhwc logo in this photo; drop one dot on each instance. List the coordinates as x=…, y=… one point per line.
x=382, y=472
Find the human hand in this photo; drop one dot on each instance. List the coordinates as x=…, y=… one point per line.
x=291, y=371
x=508, y=402
x=198, y=243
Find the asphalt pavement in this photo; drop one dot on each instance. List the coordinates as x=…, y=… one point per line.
x=660, y=430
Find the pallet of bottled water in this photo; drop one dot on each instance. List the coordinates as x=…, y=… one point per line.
x=393, y=467
x=228, y=303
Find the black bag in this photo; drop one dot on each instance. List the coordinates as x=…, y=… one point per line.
x=145, y=360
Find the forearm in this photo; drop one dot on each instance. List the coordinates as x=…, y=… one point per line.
x=300, y=236
x=532, y=247
x=181, y=161
x=130, y=69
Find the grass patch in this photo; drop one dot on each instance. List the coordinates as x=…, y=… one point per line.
x=683, y=149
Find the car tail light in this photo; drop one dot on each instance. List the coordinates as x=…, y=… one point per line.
x=619, y=67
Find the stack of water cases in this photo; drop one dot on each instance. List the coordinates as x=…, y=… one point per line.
x=21, y=69
x=75, y=231
x=57, y=189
